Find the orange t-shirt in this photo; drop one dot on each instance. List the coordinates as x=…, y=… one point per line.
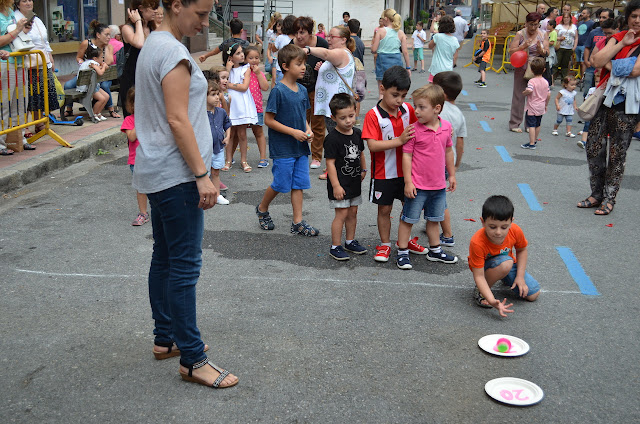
x=481, y=248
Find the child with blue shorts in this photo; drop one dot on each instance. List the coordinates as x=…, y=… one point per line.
x=220, y=131
x=491, y=256
x=424, y=159
x=289, y=137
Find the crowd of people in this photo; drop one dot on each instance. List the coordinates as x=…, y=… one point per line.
x=179, y=148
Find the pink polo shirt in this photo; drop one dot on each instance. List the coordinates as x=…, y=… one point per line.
x=428, y=148
x=537, y=100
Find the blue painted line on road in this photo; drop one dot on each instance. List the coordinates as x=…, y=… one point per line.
x=577, y=272
x=504, y=154
x=530, y=197
x=473, y=106
x=485, y=126
x=464, y=93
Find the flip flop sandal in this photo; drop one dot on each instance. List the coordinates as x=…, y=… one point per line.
x=478, y=297
x=29, y=147
x=586, y=203
x=6, y=152
x=173, y=351
x=226, y=167
x=516, y=130
x=114, y=114
x=188, y=376
x=604, y=209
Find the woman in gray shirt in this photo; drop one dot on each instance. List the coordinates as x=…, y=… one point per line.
x=171, y=167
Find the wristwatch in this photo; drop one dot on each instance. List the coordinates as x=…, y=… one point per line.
x=308, y=50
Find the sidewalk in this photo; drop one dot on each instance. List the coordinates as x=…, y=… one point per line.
x=26, y=167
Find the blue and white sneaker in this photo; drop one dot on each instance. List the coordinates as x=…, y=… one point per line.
x=442, y=256
x=403, y=261
x=528, y=146
x=581, y=144
x=447, y=241
x=339, y=254
x=355, y=247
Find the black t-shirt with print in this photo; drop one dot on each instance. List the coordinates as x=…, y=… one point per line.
x=346, y=150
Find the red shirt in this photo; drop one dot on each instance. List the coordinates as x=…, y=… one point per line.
x=129, y=123
x=391, y=158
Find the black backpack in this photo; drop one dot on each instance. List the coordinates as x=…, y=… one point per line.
x=121, y=60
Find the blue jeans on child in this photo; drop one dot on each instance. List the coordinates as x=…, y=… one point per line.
x=178, y=226
x=433, y=202
x=531, y=282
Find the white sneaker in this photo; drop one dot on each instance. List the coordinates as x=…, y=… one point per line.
x=554, y=132
x=570, y=135
x=221, y=200
x=315, y=164
x=100, y=117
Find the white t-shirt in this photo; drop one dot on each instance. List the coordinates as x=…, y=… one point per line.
x=417, y=43
x=566, y=102
x=461, y=27
x=453, y=114
x=569, y=36
x=281, y=41
x=83, y=67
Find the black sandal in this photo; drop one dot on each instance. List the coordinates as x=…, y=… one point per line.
x=216, y=384
x=114, y=114
x=586, y=203
x=173, y=351
x=68, y=113
x=479, y=298
x=264, y=219
x=604, y=209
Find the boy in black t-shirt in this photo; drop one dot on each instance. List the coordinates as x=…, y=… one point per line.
x=346, y=165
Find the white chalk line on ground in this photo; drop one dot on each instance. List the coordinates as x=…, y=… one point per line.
x=309, y=280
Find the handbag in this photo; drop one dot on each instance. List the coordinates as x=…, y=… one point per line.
x=588, y=109
x=22, y=42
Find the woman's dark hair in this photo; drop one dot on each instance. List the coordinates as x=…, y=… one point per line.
x=446, y=25
x=499, y=208
x=91, y=52
x=631, y=7
x=287, y=25
x=533, y=16
x=131, y=100
x=303, y=23
x=97, y=28
x=230, y=50
x=549, y=11
x=151, y=4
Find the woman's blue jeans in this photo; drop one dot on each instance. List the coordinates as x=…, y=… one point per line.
x=105, y=85
x=178, y=226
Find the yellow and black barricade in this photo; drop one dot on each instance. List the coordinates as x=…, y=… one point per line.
x=477, y=42
x=19, y=82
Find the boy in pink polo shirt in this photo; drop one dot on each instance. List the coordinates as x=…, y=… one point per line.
x=538, y=95
x=424, y=159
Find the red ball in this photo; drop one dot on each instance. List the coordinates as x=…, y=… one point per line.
x=519, y=58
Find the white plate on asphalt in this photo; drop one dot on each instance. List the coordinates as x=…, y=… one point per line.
x=514, y=391
x=489, y=344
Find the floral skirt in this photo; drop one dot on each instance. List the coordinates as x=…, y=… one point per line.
x=36, y=90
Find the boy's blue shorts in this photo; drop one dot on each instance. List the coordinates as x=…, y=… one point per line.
x=260, y=119
x=431, y=201
x=290, y=174
x=217, y=160
x=531, y=282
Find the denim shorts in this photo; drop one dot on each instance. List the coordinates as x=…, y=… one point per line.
x=385, y=61
x=290, y=174
x=579, y=53
x=345, y=203
x=569, y=119
x=431, y=201
x=532, y=121
x=531, y=282
x=217, y=160
x=260, y=119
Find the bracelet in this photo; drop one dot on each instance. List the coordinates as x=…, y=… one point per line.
x=202, y=175
x=139, y=20
x=13, y=37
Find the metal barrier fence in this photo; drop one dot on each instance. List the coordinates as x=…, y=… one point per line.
x=477, y=41
x=19, y=82
x=506, y=57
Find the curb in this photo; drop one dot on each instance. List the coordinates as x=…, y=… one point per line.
x=20, y=174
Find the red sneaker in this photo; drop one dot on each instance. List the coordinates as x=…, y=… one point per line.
x=382, y=253
x=415, y=248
